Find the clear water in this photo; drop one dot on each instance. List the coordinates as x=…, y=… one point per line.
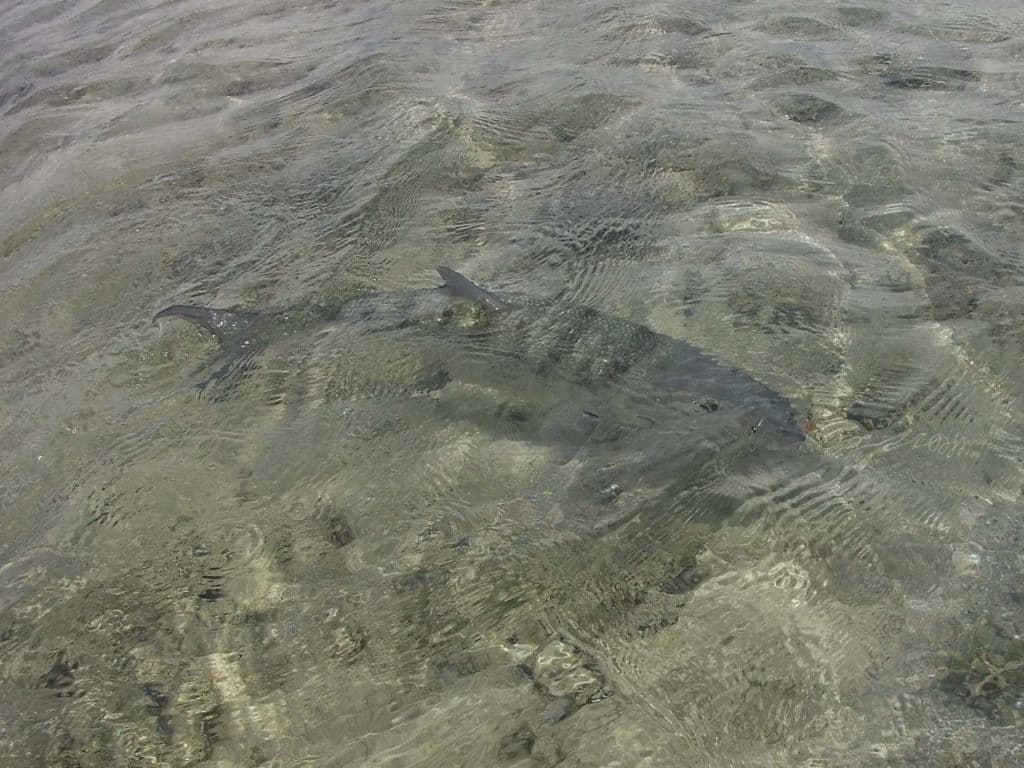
x=388, y=549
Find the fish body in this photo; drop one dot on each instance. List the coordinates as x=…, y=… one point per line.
x=572, y=342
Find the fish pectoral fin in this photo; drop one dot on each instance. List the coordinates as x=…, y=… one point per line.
x=459, y=286
x=223, y=381
x=222, y=323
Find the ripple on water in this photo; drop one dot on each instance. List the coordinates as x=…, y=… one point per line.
x=810, y=109
x=391, y=551
x=800, y=28
x=967, y=27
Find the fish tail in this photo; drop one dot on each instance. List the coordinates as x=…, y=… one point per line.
x=222, y=323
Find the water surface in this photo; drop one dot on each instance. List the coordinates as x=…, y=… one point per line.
x=387, y=552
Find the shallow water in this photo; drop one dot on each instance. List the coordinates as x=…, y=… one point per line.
x=396, y=548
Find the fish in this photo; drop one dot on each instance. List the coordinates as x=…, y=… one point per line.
x=644, y=371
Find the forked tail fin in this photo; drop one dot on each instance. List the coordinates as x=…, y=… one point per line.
x=462, y=287
x=222, y=323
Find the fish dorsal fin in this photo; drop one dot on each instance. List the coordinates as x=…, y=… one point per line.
x=222, y=323
x=458, y=286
